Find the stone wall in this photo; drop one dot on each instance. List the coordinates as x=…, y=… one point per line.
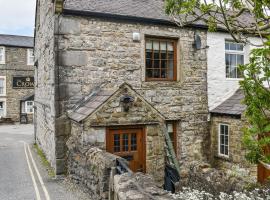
x=45, y=79
x=95, y=52
x=15, y=65
x=236, y=162
x=87, y=164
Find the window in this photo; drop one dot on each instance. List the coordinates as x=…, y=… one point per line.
x=30, y=57
x=160, y=55
x=224, y=140
x=171, y=128
x=2, y=109
x=29, y=107
x=234, y=56
x=2, y=55
x=2, y=86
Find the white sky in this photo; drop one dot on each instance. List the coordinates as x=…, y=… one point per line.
x=17, y=17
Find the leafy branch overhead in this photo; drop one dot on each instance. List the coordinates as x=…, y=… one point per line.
x=241, y=18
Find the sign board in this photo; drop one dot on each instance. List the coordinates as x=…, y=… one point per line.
x=23, y=82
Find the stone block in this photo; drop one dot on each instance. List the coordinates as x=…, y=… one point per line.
x=73, y=58
x=69, y=26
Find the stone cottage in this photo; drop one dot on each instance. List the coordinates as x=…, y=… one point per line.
x=16, y=78
x=115, y=75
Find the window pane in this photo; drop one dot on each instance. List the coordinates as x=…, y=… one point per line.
x=227, y=46
x=222, y=149
x=163, y=73
x=163, y=55
x=133, y=142
x=156, y=73
x=233, y=72
x=116, y=143
x=156, y=55
x=240, y=47
x=171, y=68
x=233, y=60
x=148, y=63
x=240, y=59
x=148, y=54
x=125, y=142
x=163, y=46
x=170, y=46
x=227, y=59
x=149, y=44
x=226, y=150
x=150, y=73
x=233, y=46
x=163, y=63
x=156, y=45
x=170, y=56
x=156, y=63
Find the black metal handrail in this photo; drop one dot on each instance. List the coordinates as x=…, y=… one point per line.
x=122, y=166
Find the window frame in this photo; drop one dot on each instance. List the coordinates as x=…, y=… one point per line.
x=30, y=56
x=26, y=107
x=174, y=124
x=5, y=86
x=219, y=141
x=2, y=62
x=167, y=39
x=234, y=52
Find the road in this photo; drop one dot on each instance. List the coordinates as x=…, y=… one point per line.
x=22, y=174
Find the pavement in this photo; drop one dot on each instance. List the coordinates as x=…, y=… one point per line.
x=22, y=174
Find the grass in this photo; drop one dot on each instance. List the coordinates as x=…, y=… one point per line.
x=44, y=161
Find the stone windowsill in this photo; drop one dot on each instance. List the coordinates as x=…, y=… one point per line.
x=219, y=157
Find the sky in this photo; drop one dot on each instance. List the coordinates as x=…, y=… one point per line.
x=17, y=17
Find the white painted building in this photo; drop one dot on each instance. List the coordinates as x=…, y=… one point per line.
x=223, y=56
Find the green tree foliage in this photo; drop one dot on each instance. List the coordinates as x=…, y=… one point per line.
x=242, y=19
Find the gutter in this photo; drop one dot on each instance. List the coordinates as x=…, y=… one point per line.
x=128, y=18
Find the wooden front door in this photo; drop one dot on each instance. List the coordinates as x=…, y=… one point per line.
x=129, y=144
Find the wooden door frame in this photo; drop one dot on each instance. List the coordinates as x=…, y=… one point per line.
x=143, y=128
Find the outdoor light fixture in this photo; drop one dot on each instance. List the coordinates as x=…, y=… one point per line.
x=126, y=101
x=136, y=37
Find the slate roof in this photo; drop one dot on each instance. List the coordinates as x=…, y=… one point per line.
x=29, y=97
x=149, y=9
x=16, y=41
x=90, y=104
x=153, y=10
x=231, y=106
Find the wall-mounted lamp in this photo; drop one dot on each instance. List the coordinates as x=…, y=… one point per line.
x=126, y=101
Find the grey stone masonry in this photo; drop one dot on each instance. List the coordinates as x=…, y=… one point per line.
x=77, y=54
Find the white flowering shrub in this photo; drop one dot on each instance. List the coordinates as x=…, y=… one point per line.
x=192, y=194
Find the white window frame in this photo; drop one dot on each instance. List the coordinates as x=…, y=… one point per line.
x=29, y=56
x=26, y=107
x=5, y=107
x=5, y=86
x=235, y=52
x=2, y=62
x=219, y=142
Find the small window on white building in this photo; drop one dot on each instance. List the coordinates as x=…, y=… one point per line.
x=2, y=109
x=223, y=140
x=30, y=57
x=29, y=107
x=2, y=55
x=2, y=86
x=234, y=56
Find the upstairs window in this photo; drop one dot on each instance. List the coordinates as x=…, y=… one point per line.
x=2, y=55
x=160, y=60
x=224, y=140
x=234, y=56
x=30, y=57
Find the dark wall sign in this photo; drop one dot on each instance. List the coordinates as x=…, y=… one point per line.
x=23, y=82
